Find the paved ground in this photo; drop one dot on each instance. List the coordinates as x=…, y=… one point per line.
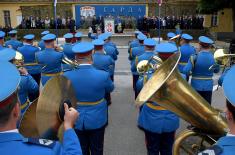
x=122, y=135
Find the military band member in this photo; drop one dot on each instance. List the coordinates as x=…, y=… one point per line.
x=67, y=47
x=2, y=35
x=90, y=85
x=13, y=42
x=11, y=141
x=78, y=37
x=135, y=42
x=41, y=43
x=137, y=51
x=67, y=50
x=200, y=64
x=49, y=59
x=109, y=50
x=110, y=43
x=171, y=35
x=96, y=35
x=103, y=62
x=159, y=124
x=28, y=51
x=147, y=55
x=226, y=145
x=186, y=50
x=27, y=86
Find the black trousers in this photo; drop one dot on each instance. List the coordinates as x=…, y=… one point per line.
x=159, y=143
x=207, y=95
x=92, y=141
x=35, y=95
x=135, y=79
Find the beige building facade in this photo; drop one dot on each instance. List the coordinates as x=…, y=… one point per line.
x=12, y=11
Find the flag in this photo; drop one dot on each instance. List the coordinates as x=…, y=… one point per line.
x=55, y=2
x=159, y=2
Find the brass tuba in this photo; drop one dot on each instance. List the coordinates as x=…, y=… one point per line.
x=171, y=91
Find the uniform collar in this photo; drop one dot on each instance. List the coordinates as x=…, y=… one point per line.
x=26, y=44
x=9, y=131
x=85, y=66
x=227, y=140
x=99, y=52
x=49, y=49
x=10, y=136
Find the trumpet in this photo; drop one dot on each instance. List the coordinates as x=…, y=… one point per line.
x=70, y=62
x=146, y=66
x=175, y=37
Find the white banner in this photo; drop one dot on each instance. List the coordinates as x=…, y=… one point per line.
x=109, y=25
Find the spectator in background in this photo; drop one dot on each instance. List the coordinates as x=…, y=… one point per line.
x=33, y=23
x=59, y=22
x=164, y=23
x=38, y=23
x=42, y=23
x=63, y=22
x=47, y=23
x=23, y=23
x=28, y=23
x=72, y=25
x=52, y=23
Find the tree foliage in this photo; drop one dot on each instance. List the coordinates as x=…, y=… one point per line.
x=210, y=6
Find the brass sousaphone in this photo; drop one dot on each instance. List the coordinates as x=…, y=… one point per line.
x=171, y=91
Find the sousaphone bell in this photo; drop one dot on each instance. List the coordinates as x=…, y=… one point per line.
x=167, y=88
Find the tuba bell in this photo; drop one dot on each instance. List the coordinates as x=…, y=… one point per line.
x=171, y=91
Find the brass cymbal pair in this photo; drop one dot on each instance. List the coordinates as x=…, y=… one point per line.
x=43, y=117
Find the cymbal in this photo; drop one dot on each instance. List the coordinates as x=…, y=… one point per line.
x=55, y=92
x=28, y=126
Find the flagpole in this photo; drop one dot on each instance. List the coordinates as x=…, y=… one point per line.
x=56, y=28
x=159, y=20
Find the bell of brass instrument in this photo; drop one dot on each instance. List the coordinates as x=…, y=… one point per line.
x=146, y=65
x=222, y=58
x=19, y=59
x=171, y=91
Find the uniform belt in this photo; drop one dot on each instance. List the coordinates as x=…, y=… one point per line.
x=22, y=106
x=30, y=64
x=91, y=103
x=155, y=107
x=183, y=63
x=201, y=78
x=52, y=74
